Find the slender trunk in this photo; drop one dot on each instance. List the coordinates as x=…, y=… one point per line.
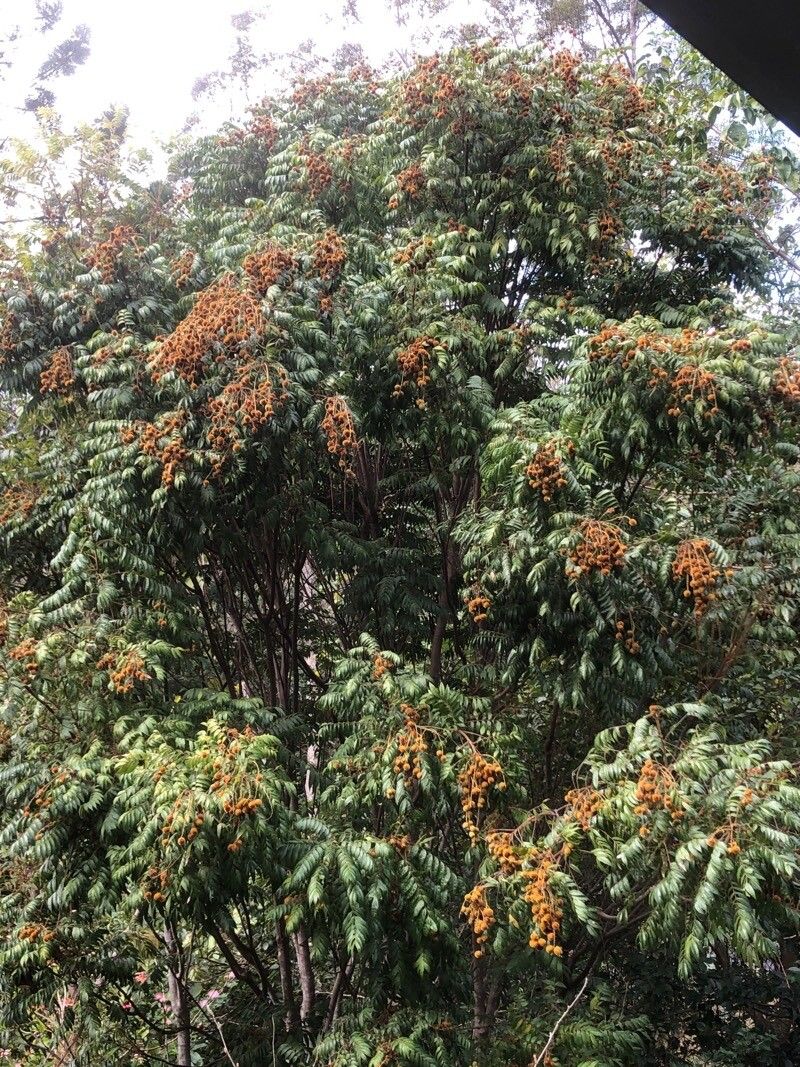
x=291, y=1018
x=306, y=973
x=178, y=1001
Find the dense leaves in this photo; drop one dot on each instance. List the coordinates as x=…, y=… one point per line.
x=400, y=588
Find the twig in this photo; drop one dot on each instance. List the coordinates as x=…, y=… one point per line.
x=554, y=1031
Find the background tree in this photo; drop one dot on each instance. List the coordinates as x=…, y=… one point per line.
x=400, y=589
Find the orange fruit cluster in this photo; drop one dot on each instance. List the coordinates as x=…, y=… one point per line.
x=340, y=430
x=223, y=320
x=25, y=654
x=428, y=87
x=544, y=472
x=411, y=180
x=330, y=255
x=416, y=253
x=319, y=174
x=157, y=882
x=58, y=376
x=516, y=88
x=245, y=405
x=565, y=65
x=105, y=256
x=656, y=790
x=546, y=910
x=606, y=345
x=380, y=666
x=725, y=833
x=787, y=380
x=265, y=268
x=411, y=745
x=609, y=225
x=601, y=548
x=128, y=669
x=692, y=383
x=34, y=931
x=306, y=92
x=480, y=916
x=475, y=782
x=8, y=336
x=478, y=606
x=162, y=441
x=584, y=805
x=626, y=632
x=413, y=361
x=182, y=268
x=501, y=849
x=694, y=567
x=17, y=502
x=182, y=823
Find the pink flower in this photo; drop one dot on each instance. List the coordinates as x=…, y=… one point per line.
x=213, y=994
x=5, y=1053
x=141, y=977
x=67, y=1001
x=160, y=997
x=126, y=1005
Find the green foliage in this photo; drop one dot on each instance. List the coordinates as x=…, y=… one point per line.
x=399, y=587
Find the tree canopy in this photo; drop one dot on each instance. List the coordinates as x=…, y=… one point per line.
x=399, y=587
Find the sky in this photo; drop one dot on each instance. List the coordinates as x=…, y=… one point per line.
x=147, y=54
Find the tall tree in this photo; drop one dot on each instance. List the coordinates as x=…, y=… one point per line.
x=399, y=591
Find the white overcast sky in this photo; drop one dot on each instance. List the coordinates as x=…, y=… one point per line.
x=146, y=54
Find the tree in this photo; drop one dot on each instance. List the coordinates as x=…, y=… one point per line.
x=383, y=679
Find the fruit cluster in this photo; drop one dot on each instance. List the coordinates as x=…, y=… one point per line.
x=35, y=931
x=340, y=431
x=502, y=850
x=584, y=804
x=157, y=882
x=416, y=253
x=787, y=380
x=17, y=502
x=411, y=745
x=546, y=910
x=480, y=915
x=475, y=782
x=516, y=89
x=608, y=225
x=319, y=173
x=692, y=384
x=223, y=320
x=413, y=361
x=161, y=441
x=478, y=605
x=244, y=406
x=626, y=632
x=544, y=472
x=411, y=181
x=600, y=548
x=694, y=567
x=58, y=376
x=183, y=822
x=25, y=654
x=105, y=256
x=565, y=65
x=725, y=833
x=182, y=268
x=429, y=86
x=656, y=790
x=124, y=670
x=380, y=666
x=330, y=255
x=267, y=267
x=607, y=345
